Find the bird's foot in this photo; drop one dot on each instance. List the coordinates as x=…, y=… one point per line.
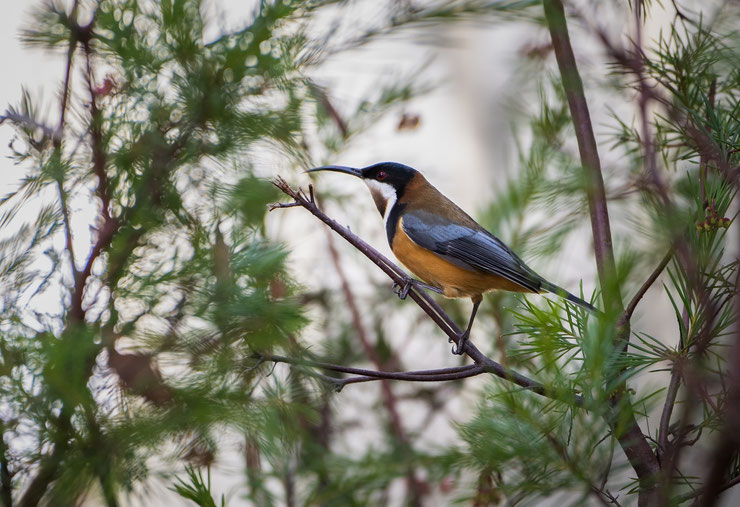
x=402, y=290
x=459, y=347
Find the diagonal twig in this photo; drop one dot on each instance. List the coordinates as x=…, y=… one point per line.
x=425, y=302
x=630, y=309
x=365, y=375
x=57, y=140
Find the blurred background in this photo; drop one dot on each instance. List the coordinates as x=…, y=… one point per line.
x=472, y=93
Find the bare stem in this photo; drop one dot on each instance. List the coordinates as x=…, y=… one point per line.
x=665, y=416
x=651, y=160
x=727, y=485
x=68, y=69
x=725, y=452
x=48, y=468
x=67, y=229
x=440, y=377
x=669, y=452
x=630, y=436
x=627, y=314
x=595, y=193
x=58, y=137
x=108, y=225
x=364, y=375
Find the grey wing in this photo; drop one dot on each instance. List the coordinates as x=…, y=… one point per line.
x=468, y=248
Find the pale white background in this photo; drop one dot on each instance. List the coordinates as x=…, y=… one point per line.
x=463, y=145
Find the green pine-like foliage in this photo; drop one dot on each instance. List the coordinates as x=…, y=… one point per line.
x=131, y=367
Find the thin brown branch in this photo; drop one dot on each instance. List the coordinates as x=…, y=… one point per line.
x=726, y=449
x=105, y=236
x=59, y=136
x=621, y=419
x=715, y=157
x=108, y=224
x=651, y=159
x=680, y=429
x=68, y=71
x=323, y=99
x=706, y=147
x=627, y=314
x=694, y=494
x=441, y=377
x=48, y=468
x=608, y=469
x=669, y=452
x=96, y=135
x=67, y=229
x=425, y=302
x=595, y=193
x=711, y=156
x=702, y=158
x=679, y=13
x=65, y=89
x=670, y=401
x=365, y=375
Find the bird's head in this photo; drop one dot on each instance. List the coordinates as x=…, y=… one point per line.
x=386, y=180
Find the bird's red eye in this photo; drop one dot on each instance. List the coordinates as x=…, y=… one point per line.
x=381, y=175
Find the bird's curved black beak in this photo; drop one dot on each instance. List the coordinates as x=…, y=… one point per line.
x=338, y=169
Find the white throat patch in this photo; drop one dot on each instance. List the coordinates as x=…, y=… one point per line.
x=382, y=193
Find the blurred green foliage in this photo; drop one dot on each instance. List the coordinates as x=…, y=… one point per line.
x=138, y=360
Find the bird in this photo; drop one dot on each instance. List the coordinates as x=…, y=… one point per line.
x=442, y=245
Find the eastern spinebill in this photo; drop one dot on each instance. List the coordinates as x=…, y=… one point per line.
x=441, y=244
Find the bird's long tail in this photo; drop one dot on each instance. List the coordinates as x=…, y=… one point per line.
x=559, y=291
